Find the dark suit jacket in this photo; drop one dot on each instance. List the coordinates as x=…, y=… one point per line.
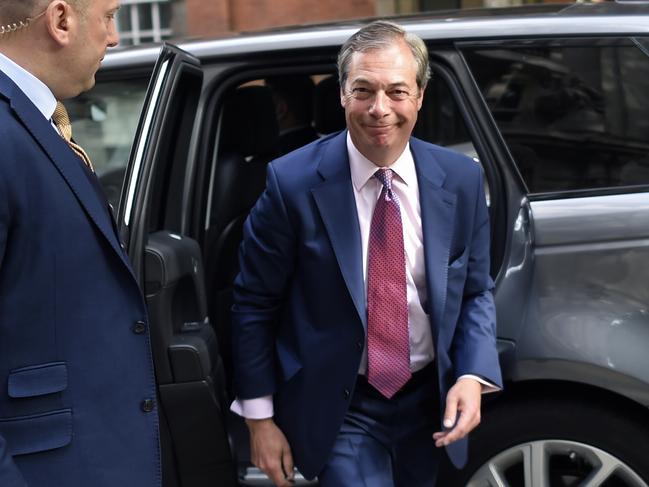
x=73, y=371
x=300, y=317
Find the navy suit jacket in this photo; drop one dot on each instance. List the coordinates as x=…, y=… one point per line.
x=73, y=372
x=300, y=313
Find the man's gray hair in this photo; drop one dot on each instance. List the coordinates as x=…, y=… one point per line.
x=381, y=34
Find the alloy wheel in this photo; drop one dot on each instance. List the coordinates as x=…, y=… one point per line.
x=555, y=463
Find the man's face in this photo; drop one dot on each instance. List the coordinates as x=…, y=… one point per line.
x=381, y=100
x=96, y=32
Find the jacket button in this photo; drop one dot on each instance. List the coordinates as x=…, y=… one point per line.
x=139, y=327
x=359, y=345
x=346, y=394
x=147, y=405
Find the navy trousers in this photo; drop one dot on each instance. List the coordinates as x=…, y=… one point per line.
x=387, y=442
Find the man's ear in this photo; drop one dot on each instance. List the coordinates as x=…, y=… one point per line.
x=59, y=19
x=420, y=100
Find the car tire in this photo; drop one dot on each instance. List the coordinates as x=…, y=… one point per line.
x=556, y=443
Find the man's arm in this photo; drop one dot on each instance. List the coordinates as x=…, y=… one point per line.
x=466, y=398
x=269, y=449
x=5, y=221
x=474, y=351
x=9, y=473
x=259, y=408
x=463, y=399
x=267, y=257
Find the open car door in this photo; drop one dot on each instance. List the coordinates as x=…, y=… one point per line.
x=169, y=267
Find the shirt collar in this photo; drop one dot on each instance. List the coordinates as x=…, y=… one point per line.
x=39, y=94
x=362, y=169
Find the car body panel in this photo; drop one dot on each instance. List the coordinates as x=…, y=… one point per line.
x=570, y=267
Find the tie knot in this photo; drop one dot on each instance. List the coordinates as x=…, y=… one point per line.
x=62, y=121
x=385, y=176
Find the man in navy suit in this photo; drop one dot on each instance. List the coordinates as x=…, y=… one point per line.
x=364, y=323
x=77, y=387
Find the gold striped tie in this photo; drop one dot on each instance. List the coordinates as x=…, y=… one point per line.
x=62, y=122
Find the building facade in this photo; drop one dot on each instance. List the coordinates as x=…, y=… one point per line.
x=142, y=21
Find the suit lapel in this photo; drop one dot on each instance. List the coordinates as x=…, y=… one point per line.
x=334, y=198
x=64, y=159
x=437, y=221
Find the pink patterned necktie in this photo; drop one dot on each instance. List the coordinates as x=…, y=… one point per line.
x=388, y=347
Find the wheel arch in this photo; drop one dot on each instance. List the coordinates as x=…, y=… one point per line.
x=534, y=410
x=569, y=390
x=593, y=378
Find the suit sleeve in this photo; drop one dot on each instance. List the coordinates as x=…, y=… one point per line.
x=474, y=348
x=267, y=260
x=9, y=473
x=4, y=219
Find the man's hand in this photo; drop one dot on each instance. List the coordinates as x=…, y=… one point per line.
x=270, y=451
x=463, y=398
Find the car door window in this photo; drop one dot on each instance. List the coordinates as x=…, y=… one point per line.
x=104, y=121
x=440, y=121
x=574, y=114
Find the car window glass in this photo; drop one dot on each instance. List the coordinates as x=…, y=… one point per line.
x=574, y=116
x=104, y=121
x=440, y=122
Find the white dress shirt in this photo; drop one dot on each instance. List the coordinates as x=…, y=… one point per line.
x=39, y=94
x=367, y=190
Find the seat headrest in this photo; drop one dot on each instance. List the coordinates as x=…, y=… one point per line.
x=249, y=123
x=328, y=114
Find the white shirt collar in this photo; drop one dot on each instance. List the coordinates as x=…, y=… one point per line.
x=362, y=169
x=39, y=94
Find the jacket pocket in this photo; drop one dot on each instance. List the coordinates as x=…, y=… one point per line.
x=38, y=432
x=37, y=380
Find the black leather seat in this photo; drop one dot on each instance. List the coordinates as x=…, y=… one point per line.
x=249, y=137
x=328, y=113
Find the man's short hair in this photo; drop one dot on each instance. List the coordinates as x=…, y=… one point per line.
x=380, y=35
x=14, y=11
x=297, y=92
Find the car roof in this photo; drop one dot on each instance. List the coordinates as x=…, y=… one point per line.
x=580, y=19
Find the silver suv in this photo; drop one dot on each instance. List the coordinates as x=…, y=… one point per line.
x=552, y=101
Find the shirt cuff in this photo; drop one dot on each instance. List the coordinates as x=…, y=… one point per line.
x=258, y=408
x=487, y=386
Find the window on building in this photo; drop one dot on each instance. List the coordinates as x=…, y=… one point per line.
x=141, y=21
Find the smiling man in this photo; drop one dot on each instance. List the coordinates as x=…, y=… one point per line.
x=77, y=401
x=364, y=324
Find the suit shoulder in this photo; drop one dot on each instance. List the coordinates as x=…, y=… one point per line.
x=304, y=154
x=300, y=167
